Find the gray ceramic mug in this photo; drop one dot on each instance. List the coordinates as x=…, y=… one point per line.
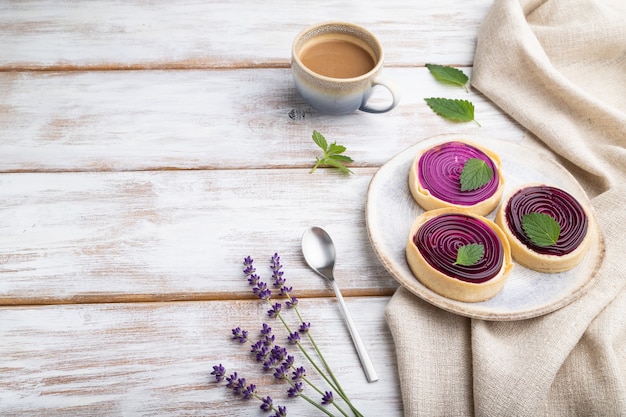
x=336, y=67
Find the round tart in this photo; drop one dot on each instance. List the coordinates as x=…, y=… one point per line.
x=435, y=178
x=575, y=222
x=433, y=246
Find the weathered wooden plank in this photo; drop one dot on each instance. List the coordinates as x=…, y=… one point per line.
x=94, y=237
x=44, y=34
x=125, y=186
x=143, y=120
x=145, y=359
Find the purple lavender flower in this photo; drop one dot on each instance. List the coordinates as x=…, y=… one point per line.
x=282, y=412
x=295, y=390
x=262, y=291
x=240, y=335
x=279, y=353
x=231, y=380
x=266, y=294
x=273, y=357
x=289, y=361
x=278, y=279
x=280, y=372
x=277, y=275
x=269, y=363
x=293, y=301
x=249, y=267
x=240, y=386
x=269, y=340
x=253, y=279
x=262, y=353
x=274, y=311
x=298, y=374
x=327, y=398
x=275, y=263
x=266, y=330
x=256, y=346
x=219, y=372
x=294, y=338
x=261, y=348
x=249, y=392
x=267, y=403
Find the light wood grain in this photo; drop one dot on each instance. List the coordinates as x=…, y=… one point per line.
x=143, y=120
x=156, y=358
x=146, y=147
x=93, y=237
x=46, y=34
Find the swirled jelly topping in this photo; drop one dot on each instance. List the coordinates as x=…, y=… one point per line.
x=558, y=204
x=439, y=172
x=440, y=238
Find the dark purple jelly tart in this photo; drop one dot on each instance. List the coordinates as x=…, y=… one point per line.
x=436, y=178
x=434, y=254
x=537, y=244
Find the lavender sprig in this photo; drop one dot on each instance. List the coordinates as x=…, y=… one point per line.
x=280, y=282
x=240, y=387
x=276, y=358
x=327, y=398
x=262, y=290
x=240, y=335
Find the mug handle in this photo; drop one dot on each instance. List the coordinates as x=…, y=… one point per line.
x=395, y=95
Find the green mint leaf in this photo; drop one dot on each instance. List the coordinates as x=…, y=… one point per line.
x=448, y=75
x=335, y=149
x=342, y=158
x=475, y=174
x=332, y=154
x=336, y=164
x=452, y=109
x=542, y=229
x=468, y=255
x=320, y=140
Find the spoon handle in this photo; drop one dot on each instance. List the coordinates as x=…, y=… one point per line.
x=366, y=362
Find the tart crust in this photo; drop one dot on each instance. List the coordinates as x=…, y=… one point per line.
x=427, y=201
x=540, y=262
x=450, y=287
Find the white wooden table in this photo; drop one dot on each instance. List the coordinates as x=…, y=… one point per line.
x=146, y=148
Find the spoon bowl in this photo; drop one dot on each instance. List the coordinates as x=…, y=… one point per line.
x=319, y=253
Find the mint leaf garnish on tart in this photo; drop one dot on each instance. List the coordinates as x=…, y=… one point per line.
x=469, y=254
x=475, y=174
x=542, y=229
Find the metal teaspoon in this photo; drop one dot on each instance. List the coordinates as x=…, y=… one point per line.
x=319, y=253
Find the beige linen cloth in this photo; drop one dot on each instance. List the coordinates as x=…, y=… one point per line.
x=558, y=67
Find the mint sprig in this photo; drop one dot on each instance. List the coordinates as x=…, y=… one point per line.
x=452, y=109
x=542, y=229
x=469, y=254
x=333, y=154
x=448, y=75
x=475, y=174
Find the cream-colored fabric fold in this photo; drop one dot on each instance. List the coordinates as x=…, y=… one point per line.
x=559, y=68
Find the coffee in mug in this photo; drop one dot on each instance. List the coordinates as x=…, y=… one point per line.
x=336, y=67
x=336, y=58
